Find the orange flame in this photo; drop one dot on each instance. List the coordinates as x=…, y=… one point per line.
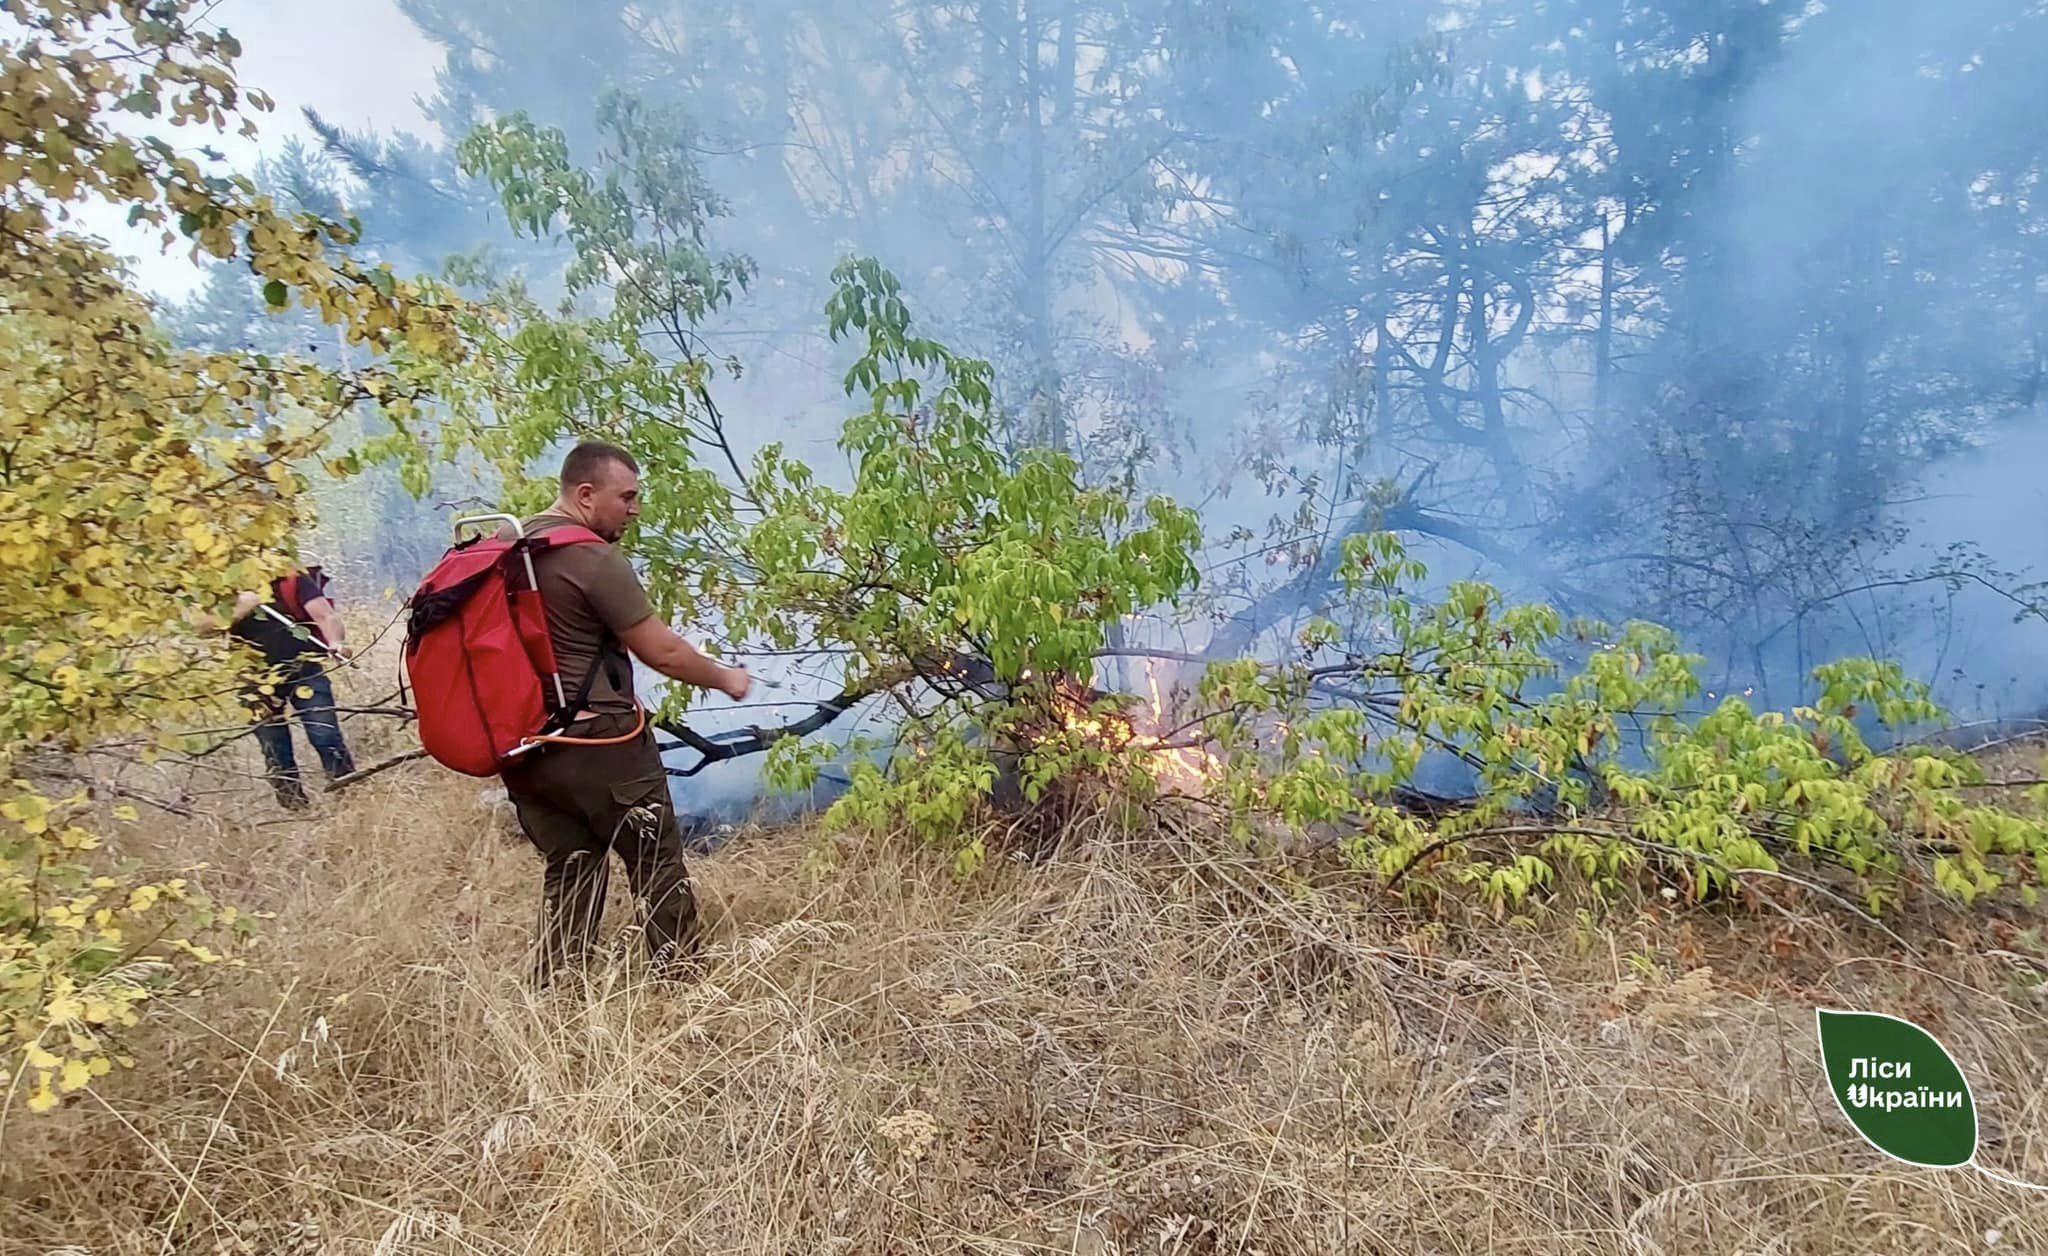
x=1191, y=769
x=1187, y=769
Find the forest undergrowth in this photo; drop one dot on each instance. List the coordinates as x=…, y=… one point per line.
x=1129, y=1043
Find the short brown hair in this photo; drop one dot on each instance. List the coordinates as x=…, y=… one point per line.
x=588, y=459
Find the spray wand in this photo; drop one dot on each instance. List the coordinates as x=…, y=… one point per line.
x=299, y=630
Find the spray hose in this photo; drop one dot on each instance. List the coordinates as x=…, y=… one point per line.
x=562, y=739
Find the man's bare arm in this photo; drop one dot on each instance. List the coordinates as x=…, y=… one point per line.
x=329, y=624
x=657, y=645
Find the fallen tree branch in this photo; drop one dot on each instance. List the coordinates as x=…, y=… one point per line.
x=95, y=784
x=756, y=739
x=1171, y=656
x=361, y=774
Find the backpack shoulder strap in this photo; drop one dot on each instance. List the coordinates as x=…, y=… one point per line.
x=572, y=534
x=562, y=717
x=557, y=538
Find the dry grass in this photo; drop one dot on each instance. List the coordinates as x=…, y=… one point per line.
x=1156, y=1048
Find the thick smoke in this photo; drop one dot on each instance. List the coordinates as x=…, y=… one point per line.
x=1868, y=292
x=1727, y=315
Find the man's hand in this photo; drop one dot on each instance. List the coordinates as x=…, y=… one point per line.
x=736, y=683
x=245, y=606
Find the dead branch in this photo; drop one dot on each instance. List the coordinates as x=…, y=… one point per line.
x=361, y=774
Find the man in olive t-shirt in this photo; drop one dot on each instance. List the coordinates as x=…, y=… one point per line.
x=577, y=803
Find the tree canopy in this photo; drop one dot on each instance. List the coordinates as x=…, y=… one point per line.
x=1646, y=309
x=141, y=485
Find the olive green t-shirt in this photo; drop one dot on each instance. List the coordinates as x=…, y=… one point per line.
x=590, y=589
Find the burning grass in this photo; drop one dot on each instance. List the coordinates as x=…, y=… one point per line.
x=1134, y=1046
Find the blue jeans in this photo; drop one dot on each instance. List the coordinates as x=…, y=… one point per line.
x=304, y=686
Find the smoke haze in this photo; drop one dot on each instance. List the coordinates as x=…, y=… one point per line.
x=1725, y=315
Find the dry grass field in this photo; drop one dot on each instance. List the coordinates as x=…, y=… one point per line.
x=1129, y=1047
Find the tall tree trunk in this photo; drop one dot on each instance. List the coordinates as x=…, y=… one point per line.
x=1852, y=480
x=1049, y=421
x=2037, y=358
x=1382, y=377
x=1500, y=447
x=1063, y=83
x=1437, y=400
x=1603, y=336
x=997, y=19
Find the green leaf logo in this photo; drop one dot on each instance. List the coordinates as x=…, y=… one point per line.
x=1899, y=1088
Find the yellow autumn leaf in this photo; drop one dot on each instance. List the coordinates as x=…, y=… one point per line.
x=75, y=1076
x=44, y=1098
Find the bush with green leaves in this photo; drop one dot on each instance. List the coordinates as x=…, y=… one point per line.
x=1593, y=769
